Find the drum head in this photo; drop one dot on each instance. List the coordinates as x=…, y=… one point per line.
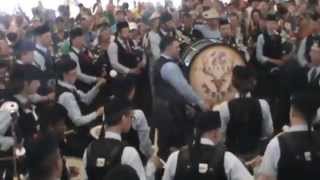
x=210, y=72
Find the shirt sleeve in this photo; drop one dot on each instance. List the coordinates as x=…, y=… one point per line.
x=171, y=166
x=113, y=54
x=267, y=123
x=171, y=73
x=155, y=45
x=82, y=77
x=270, y=159
x=234, y=168
x=131, y=158
x=6, y=142
x=301, y=53
x=88, y=97
x=141, y=125
x=68, y=101
x=259, y=49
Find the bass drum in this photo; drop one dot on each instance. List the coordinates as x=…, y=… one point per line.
x=209, y=69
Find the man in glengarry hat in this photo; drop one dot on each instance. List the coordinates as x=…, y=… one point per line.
x=211, y=29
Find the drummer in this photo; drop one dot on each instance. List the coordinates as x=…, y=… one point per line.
x=226, y=34
x=172, y=94
x=211, y=29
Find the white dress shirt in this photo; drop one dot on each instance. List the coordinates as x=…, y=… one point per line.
x=130, y=156
x=140, y=124
x=233, y=167
x=81, y=76
x=39, y=60
x=269, y=165
x=113, y=54
x=317, y=73
x=302, y=60
x=267, y=123
x=68, y=100
x=6, y=142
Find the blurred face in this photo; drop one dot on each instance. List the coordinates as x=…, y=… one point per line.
x=120, y=17
x=85, y=23
x=315, y=56
x=234, y=20
x=174, y=50
x=46, y=40
x=78, y=42
x=60, y=26
x=256, y=17
x=213, y=23
x=127, y=121
x=170, y=25
x=70, y=76
x=272, y=26
x=27, y=57
x=225, y=30
x=105, y=36
x=124, y=33
x=5, y=50
x=188, y=22
x=32, y=86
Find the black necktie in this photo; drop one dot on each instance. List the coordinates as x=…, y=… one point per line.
x=313, y=74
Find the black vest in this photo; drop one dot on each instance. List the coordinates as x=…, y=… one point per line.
x=213, y=156
x=272, y=48
x=295, y=162
x=245, y=125
x=49, y=63
x=309, y=42
x=126, y=58
x=164, y=90
x=83, y=107
x=102, y=156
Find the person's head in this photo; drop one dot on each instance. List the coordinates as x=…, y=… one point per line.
x=187, y=20
x=43, y=158
x=77, y=38
x=52, y=119
x=166, y=21
x=24, y=51
x=133, y=30
x=243, y=79
x=122, y=172
x=315, y=54
x=208, y=125
x=119, y=115
x=304, y=107
x=212, y=17
x=26, y=79
x=225, y=28
x=5, y=49
x=105, y=36
x=234, y=19
x=120, y=16
x=263, y=7
x=272, y=23
x=256, y=16
x=60, y=24
x=124, y=88
x=170, y=46
x=43, y=35
x=123, y=30
x=155, y=20
x=67, y=69
x=85, y=22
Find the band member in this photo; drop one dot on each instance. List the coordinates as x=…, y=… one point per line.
x=107, y=152
x=306, y=44
x=4, y=81
x=295, y=153
x=246, y=121
x=77, y=104
x=226, y=34
x=172, y=94
x=211, y=29
x=167, y=25
x=25, y=82
x=125, y=89
x=44, y=159
x=25, y=55
x=314, y=71
x=77, y=47
x=152, y=39
x=42, y=55
x=187, y=28
x=207, y=157
x=122, y=172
